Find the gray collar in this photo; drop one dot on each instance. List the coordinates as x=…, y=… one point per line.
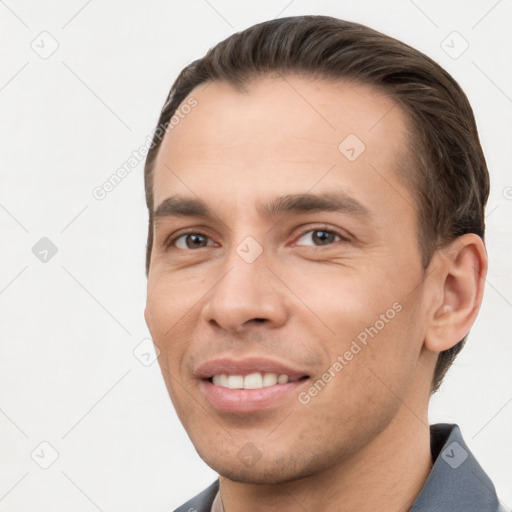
x=456, y=482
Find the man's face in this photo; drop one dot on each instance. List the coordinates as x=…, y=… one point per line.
x=331, y=296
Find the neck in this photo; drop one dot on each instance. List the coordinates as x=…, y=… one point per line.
x=388, y=473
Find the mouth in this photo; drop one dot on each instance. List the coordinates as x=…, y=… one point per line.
x=248, y=385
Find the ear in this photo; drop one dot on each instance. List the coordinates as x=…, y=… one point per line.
x=460, y=277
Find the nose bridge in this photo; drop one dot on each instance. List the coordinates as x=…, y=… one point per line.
x=247, y=290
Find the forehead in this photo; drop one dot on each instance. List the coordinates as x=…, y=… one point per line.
x=283, y=128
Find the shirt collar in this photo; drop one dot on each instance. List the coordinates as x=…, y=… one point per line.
x=456, y=482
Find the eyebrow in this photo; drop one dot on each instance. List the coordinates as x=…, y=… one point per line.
x=178, y=206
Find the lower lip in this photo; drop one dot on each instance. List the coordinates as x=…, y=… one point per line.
x=248, y=400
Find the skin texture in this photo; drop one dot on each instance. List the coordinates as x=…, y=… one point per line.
x=364, y=439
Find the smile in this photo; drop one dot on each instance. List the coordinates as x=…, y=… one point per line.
x=233, y=385
x=256, y=380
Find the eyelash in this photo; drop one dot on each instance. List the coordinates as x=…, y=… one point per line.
x=168, y=243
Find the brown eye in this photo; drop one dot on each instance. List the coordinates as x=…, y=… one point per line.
x=191, y=241
x=319, y=237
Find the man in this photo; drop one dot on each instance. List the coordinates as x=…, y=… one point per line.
x=315, y=260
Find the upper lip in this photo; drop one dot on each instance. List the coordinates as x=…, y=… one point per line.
x=245, y=366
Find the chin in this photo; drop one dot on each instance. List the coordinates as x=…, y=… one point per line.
x=265, y=471
x=263, y=476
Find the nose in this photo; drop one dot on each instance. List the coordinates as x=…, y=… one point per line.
x=247, y=294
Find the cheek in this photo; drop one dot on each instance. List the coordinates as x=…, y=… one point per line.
x=385, y=368
x=367, y=389
x=346, y=301
x=166, y=320
x=375, y=335
x=166, y=317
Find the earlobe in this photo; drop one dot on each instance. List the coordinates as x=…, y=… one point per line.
x=461, y=278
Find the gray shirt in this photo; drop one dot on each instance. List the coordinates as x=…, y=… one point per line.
x=456, y=483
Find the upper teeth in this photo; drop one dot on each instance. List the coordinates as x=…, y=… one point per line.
x=255, y=380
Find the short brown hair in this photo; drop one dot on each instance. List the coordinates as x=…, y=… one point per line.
x=448, y=168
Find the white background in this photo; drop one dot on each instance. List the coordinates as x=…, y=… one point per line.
x=69, y=326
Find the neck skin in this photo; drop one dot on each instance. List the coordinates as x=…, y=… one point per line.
x=387, y=474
